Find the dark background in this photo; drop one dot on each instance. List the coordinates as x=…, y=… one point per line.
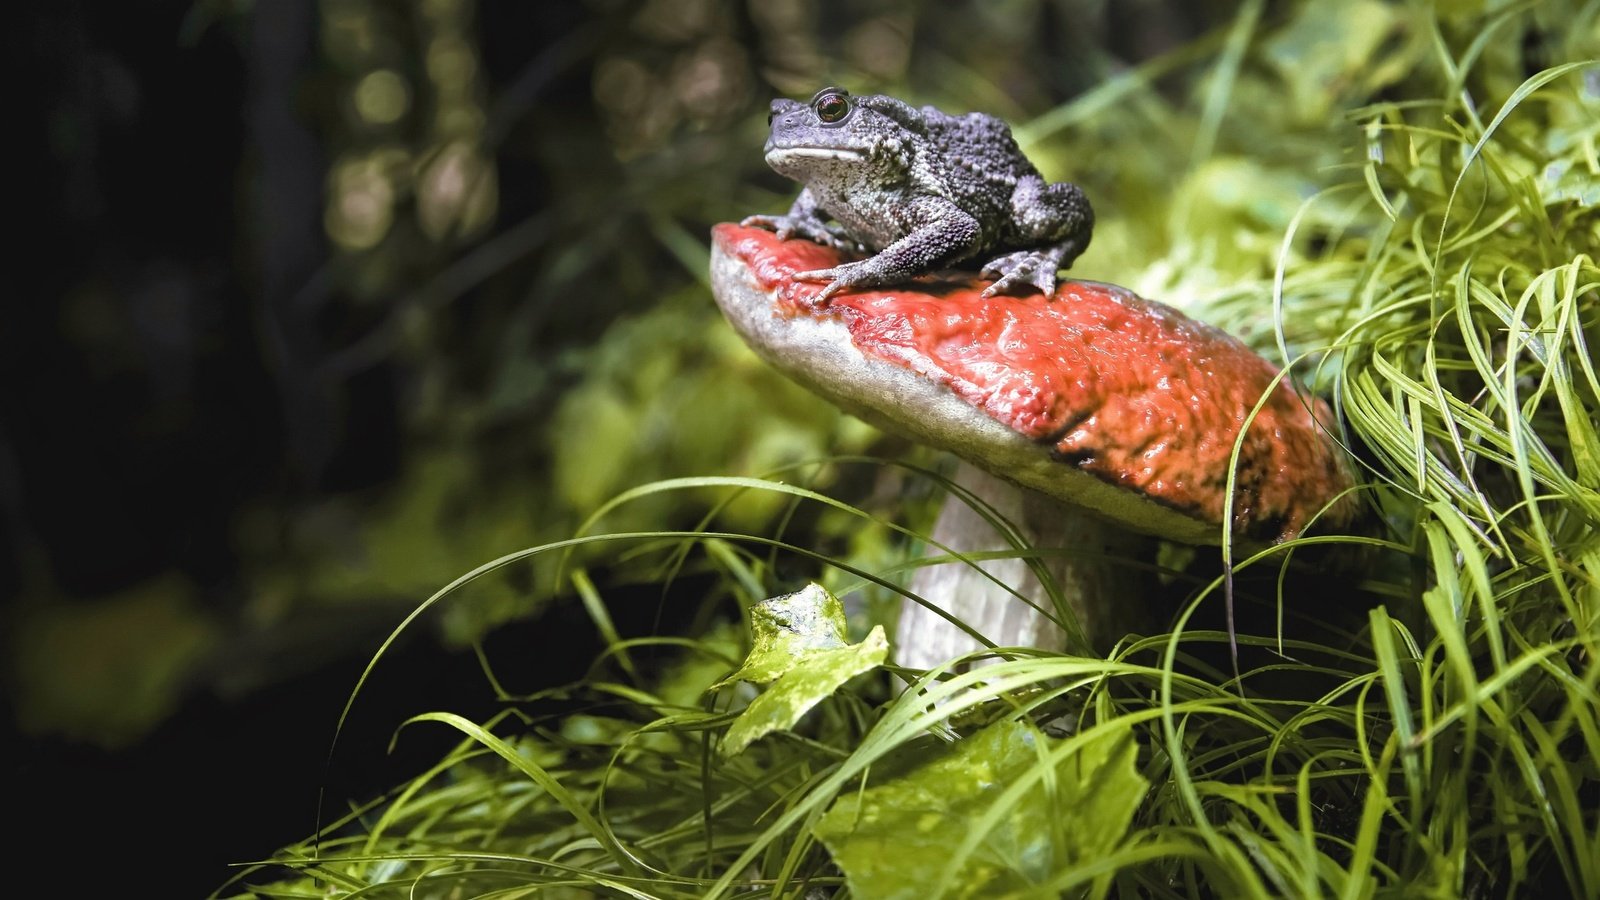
x=212, y=391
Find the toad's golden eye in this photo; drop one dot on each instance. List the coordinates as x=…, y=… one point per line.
x=831, y=107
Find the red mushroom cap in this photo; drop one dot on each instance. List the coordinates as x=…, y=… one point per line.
x=1094, y=396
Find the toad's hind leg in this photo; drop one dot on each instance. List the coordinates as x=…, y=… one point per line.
x=1054, y=221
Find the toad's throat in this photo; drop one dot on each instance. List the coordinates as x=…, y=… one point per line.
x=778, y=155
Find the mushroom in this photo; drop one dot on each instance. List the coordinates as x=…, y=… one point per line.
x=1092, y=419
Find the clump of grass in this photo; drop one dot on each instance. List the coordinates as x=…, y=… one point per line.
x=1442, y=744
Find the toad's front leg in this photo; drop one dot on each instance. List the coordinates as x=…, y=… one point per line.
x=947, y=235
x=805, y=219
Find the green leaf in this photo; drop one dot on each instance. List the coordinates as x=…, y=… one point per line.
x=787, y=629
x=799, y=648
x=1005, y=809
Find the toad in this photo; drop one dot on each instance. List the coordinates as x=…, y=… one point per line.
x=920, y=190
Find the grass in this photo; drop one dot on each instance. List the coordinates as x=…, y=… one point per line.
x=1433, y=731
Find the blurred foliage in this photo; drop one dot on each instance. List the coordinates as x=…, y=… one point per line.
x=115, y=667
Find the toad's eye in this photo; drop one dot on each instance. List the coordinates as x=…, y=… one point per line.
x=831, y=107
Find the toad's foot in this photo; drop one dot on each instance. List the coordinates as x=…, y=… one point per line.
x=787, y=227
x=839, y=278
x=1035, y=267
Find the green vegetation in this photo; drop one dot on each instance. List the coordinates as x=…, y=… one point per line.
x=1415, y=198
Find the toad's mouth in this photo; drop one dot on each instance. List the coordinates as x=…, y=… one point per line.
x=802, y=152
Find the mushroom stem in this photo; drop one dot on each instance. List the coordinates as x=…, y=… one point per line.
x=1089, y=562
